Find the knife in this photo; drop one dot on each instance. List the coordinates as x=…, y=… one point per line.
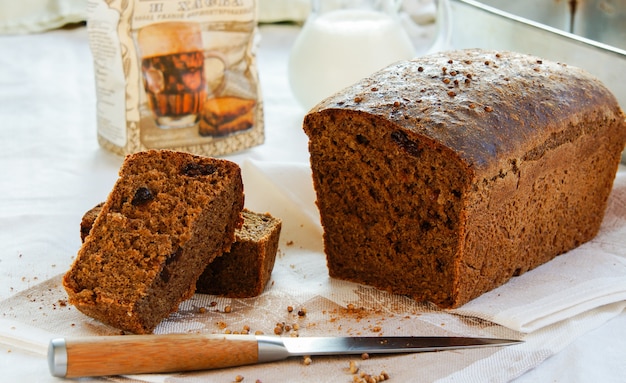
x=138, y=354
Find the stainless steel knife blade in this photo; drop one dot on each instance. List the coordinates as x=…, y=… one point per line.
x=401, y=344
x=136, y=354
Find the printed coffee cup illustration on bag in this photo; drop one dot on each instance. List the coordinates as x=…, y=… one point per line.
x=184, y=81
x=172, y=66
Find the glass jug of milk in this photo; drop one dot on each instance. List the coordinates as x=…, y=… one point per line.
x=343, y=41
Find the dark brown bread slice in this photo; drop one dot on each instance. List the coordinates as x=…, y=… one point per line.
x=244, y=271
x=443, y=177
x=168, y=216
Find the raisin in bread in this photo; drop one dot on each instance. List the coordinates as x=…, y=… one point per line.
x=168, y=216
x=443, y=177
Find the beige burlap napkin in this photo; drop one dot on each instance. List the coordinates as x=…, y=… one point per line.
x=548, y=307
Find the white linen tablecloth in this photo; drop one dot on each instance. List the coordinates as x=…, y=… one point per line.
x=53, y=171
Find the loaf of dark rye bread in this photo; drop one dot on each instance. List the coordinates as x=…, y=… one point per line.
x=443, y=177
x=168, y=216
x=244, y=271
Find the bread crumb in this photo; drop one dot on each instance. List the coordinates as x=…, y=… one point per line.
x=238, y=378
x=367, y=378
x=354, y=368
x=307, y=360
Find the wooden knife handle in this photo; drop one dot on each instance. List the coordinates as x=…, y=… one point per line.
x=137, y=354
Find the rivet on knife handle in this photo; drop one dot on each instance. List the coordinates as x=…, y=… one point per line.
x=137, y=354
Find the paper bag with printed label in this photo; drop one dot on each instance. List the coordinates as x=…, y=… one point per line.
x=176, y=75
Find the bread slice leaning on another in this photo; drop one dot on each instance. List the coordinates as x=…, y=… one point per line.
x=168, y=216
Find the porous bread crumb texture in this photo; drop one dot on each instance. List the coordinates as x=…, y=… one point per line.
x=245, y=270
x=169, y=214
x=444, y=196
x=387, y=223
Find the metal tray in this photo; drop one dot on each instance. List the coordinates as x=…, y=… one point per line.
x=590, y=34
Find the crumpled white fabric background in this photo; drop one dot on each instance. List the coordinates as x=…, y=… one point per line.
x=31, y=16
x=28, y=16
